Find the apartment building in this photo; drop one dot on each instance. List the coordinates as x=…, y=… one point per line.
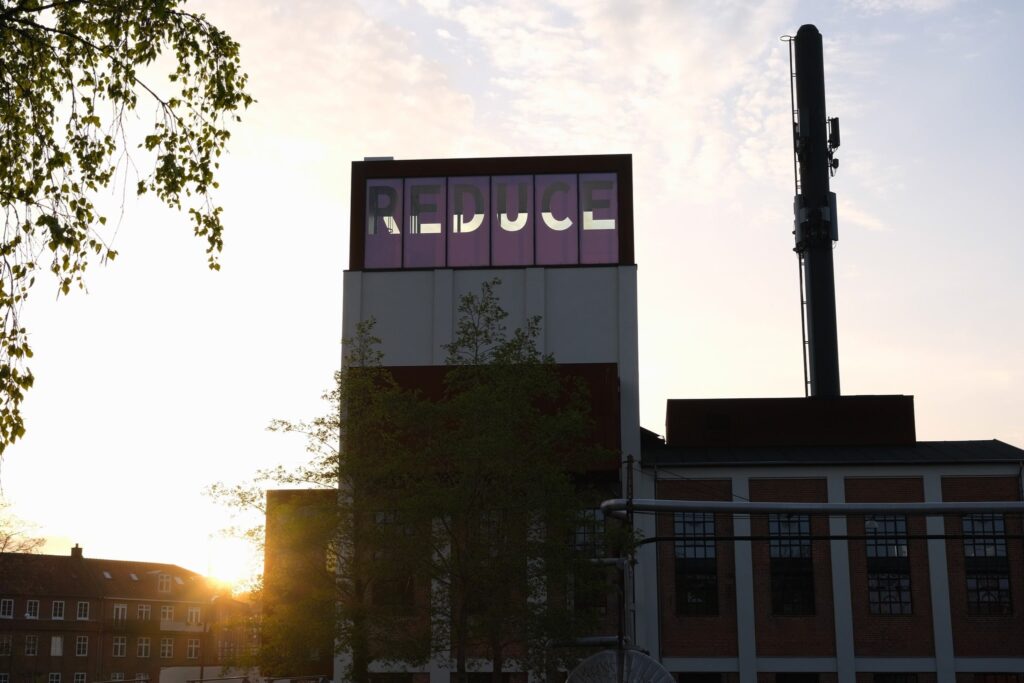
x=73, y=619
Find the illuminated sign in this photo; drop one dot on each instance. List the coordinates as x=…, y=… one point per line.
x=499, y=219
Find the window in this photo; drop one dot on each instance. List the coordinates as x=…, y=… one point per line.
x=31, y=646
x=163, y=583
x=117, y=676
x=57, y=609
x=120, y=614
x=696, y=566
x=986, y=564
x=79, y=677
x=193, y=648
x=167, y=613
x=32, y=609
x=6, y=608
x=792, y=569
x=83, y=611
x=143, y=613
x=56, y=646
x=142, y=677
x=193, y=615
x=166, y=648
x=5, y=644
x=888, y=564
x=81, y=646
x=394, y=587
x=588, y=537
x=120, y=645
x=54, y=678
x=142, y=647
x=5, y=678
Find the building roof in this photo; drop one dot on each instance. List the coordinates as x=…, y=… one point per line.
x=656, y=453
x=74, y=575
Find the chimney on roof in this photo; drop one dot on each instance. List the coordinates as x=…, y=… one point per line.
x=76, y=551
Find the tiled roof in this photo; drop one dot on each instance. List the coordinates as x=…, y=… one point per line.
x=59, y=575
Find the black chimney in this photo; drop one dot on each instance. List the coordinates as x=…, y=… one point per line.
x=76, y=552
x=814, y=139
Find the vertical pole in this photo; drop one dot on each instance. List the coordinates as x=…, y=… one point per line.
x=814, y=231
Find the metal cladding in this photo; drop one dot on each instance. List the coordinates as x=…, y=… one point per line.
x=815, y=213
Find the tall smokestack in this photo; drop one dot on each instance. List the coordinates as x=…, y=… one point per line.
x=815, y=206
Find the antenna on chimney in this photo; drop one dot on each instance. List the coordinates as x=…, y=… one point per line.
x=815, y=139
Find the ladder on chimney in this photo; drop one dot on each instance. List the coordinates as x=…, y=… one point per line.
x=795, y=113
x=803, y=325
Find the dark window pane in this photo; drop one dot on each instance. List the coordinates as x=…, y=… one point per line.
x=889, y=593
x=790, y=536
x=987, y=566
x=695, y=565
x=792, y=571
x=792, y=586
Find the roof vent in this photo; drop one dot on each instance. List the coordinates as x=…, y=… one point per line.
x=177, y=580
x=134, y=576
x=106, y=575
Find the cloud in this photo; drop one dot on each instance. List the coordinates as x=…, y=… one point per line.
x=851, y=213
x=885, y=6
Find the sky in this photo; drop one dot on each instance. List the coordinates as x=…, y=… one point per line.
x=161, y=379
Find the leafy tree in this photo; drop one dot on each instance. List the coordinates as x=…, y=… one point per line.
x=455, y=511
x=71, y=72
x=16, y=535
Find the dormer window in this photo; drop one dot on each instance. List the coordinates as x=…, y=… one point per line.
x=163, y=583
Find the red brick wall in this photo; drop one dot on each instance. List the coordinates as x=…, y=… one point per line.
x=793, y=636
x=697, y=635
x=984, y=636
x=885, y=635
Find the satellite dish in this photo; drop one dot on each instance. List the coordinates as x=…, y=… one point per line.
x=604, y=668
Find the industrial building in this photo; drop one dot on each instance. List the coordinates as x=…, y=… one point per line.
x=758, y=589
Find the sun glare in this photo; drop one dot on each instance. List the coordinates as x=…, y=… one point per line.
x=233, y=561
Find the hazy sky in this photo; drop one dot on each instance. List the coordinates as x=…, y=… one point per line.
x=161, y=379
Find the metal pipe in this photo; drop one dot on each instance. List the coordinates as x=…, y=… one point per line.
x=616, y=507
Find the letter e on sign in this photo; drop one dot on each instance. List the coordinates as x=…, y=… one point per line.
x=599, y=204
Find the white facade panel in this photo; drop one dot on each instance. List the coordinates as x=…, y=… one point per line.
x=584, y=316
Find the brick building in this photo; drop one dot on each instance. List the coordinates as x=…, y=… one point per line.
x=813, y=597
x=73, y=619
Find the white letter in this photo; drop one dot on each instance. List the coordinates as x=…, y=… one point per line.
x=591, y=223
x=554, y=223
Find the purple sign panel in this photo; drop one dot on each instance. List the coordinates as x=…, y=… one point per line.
x=599, y=212
x=512, y=233
x=502, y=220
x=383, y=224
x=469, y=222
x=557, y=220
x=424, y=223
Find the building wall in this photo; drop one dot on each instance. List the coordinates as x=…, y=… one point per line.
x=86, y=581
x=843, y=641
x=588, y=314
